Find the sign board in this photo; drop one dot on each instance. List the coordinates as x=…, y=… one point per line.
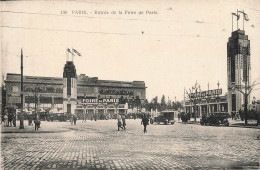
x=97, y=101
x=115, y=92
x=43, y=89
x=205, y=94
x=14, y=99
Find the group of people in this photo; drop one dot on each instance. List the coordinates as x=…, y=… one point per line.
x=9, y=118
x=121, y=122
x=73, y=120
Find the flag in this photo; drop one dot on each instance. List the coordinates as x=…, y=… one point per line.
x=69, y=51
x=237, y=15
x=246, y=17
x=75, y=51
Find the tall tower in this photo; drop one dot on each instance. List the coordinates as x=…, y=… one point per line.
x=238, y=68
x=69, y=87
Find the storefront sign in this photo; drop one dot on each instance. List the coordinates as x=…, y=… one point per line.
x=100, y=101
x=43, y=89
x=205, y=94
x=14, y=99
x=115, y=92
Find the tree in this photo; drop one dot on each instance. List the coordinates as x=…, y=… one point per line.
x=155, y=100
x=245, y=91
x=195, y=97
x=177, y=105
x=163, y=103
x=145, y=104
x=137, y=103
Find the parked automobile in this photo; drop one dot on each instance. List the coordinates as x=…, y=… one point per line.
x=215, y=119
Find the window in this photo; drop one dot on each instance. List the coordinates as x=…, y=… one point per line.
x=233, y=102
x=15, y=89
x=68, y=108
x=233, y=69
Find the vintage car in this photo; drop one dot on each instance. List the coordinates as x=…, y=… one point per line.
x=215, y=119
x=166, y=117
x=56, y=114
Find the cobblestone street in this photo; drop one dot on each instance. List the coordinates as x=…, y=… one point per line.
x=98, y=145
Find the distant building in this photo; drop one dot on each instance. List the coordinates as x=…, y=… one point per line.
x=210, y=101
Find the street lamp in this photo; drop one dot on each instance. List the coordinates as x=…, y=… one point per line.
x=218, y=98
x=21, y=112
x=208, y=100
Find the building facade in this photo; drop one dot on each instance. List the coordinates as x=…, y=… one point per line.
x=238, y=69
x=87, y=95
x=206, y=103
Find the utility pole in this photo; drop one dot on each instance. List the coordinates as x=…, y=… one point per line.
x=21, y=113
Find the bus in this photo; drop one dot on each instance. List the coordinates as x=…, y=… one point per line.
x=166, y=117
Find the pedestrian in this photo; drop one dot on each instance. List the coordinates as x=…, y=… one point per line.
x=84, y=118
x=232, y=115
x=124, y=122
x=71, y=119
x=37, y=122
x=14, y=119
x=30, y=120
x=119, y=122
x=179, y=117
x=10, y=118
x=74, y=119
x=145, y=122
x=95, y=116
x=5, y=120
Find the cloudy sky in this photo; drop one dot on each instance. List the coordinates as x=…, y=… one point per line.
x=168, y=44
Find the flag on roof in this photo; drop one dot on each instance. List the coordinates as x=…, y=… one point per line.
x=246, y=17
x=75, y=51
x=237, y=15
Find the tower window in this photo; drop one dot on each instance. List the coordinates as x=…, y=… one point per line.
x=233, y=67
x=233, y=102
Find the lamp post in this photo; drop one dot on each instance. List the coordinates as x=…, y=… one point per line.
x=21, y=113
x=208, y=100
x=218, y=97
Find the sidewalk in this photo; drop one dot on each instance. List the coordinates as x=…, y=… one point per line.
x=45, y=127
x=232, y=123
x=240, y=123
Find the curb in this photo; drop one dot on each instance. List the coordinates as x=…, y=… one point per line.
x=239, y=126
x=34, y=131
x=253, y=127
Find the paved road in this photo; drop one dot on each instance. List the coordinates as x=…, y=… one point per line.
x=98, y=145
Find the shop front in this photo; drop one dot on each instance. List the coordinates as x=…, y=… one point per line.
x=79, y=111
x=101, y=112
x=111, y=111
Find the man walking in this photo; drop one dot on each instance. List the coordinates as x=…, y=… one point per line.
x=124, y=123
x=119, y=122
x=37, y=122
x=145, y=122
x=75, y=119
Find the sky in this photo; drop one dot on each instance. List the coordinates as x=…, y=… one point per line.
x=168, y=44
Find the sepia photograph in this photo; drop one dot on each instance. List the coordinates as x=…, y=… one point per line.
x=170, y=84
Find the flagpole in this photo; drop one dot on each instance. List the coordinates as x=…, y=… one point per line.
x=237, y=19
x=184, y=102
x=67, y=54
x=243, y=20
x=232, y=22
x=72, y=55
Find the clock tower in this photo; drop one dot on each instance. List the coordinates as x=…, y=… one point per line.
x=69, y=88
